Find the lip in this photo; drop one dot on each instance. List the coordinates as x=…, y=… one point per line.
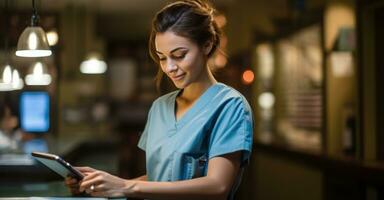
x=179, y=77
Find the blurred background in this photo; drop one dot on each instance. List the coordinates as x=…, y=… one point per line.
x=312, y=71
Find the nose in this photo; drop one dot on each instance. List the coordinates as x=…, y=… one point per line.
x=170, y=66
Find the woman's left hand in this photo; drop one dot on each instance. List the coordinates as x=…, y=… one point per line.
x=100, y=183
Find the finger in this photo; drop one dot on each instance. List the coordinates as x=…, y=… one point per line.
x=88, y=185
x=74, y=189
x=90, y=175
x=90, y=180
x=70, y=181
x=91, y=190
x=85, y=169
x=87, y=173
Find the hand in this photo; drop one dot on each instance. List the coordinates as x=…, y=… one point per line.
x=73, y=184
x=99, y=183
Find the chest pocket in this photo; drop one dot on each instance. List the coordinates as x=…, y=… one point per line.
x=195, y=166
x=188, y=166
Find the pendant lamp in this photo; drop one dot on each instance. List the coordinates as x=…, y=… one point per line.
x=9, y=76
x=6, y=79
x=94, y=64
x=38, y=75
x=33, y=41
x=10, y=79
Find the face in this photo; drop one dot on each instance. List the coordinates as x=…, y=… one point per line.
x=8, y=122
x=183, y=61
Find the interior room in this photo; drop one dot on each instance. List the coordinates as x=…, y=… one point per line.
x=77, y=80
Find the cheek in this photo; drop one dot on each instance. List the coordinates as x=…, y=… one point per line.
x=189, y=64
x=162, y=66
x=195, y=64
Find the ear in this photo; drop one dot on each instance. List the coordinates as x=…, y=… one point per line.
x=207, y=47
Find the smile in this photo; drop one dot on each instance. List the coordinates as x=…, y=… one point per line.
x=177, y=78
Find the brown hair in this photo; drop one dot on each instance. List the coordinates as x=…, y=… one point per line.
x=192, y=19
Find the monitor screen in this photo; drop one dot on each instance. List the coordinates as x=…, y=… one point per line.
x=34, y=111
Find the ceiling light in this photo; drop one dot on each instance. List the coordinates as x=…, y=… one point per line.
x=33, y=41
x=10, y=80
x=17, y=82
x=52, y=37
x=39, y=75
x=93, y=65
x=266, y=100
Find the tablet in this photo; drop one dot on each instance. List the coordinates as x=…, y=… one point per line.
x=58, y=165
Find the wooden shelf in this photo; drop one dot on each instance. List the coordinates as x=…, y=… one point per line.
x=371, y=173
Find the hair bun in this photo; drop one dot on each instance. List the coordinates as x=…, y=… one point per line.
x=204, y=5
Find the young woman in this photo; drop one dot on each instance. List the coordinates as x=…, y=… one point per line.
x=198, y=138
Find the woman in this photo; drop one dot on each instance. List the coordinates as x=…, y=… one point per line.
x=197, y=138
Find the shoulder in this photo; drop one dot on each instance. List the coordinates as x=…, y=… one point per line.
x=229, y=96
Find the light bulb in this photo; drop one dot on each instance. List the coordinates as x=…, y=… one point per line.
x=7, y=75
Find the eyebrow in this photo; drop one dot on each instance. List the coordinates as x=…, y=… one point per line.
x=173, y=50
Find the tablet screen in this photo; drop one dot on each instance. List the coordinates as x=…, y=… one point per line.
x=57, y=164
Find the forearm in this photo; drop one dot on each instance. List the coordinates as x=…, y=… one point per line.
x=199, y=188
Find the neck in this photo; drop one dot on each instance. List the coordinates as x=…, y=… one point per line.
x=194, y=90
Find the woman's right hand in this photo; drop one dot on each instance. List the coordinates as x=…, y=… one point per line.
x=73, y=184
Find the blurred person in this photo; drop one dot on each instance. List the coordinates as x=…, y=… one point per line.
x=198, y=138
x=9, y=138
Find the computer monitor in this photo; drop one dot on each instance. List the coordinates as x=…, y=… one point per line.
x=35, y=111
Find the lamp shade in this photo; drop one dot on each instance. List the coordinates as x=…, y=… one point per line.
x=10, y=80
x=94, y=64
x=17, y=82
x=39, y=75
x=33, y=43
x=6, y=78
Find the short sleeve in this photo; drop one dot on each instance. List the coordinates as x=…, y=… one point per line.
x=144, y=135
x=233, y=130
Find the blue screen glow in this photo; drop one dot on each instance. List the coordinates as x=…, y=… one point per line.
x=34, y=111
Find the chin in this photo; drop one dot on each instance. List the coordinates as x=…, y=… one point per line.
x=180, y=85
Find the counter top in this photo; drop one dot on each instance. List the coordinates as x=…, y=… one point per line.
x=15, y=168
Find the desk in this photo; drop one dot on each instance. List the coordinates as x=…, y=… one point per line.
x=23, y=168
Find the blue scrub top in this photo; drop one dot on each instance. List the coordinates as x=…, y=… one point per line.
x=219, y=122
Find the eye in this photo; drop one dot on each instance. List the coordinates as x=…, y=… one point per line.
x=162, y=58
x=179, y=56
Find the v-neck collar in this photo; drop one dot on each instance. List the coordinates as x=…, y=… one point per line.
x=200, y=103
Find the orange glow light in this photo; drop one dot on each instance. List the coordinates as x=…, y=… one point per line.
x=248, y=76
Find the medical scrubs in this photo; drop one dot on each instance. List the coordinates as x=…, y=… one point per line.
x=219, y=122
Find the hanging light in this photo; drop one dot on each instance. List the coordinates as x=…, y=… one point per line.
x=17, y=82
x=93, y=65
x=7, y=74
x=6, y=79
x=266, y=100
x=39, y=75
x=33, y=41
x=52, y=37
x=10, y=80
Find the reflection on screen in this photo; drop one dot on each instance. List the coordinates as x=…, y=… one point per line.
x=34, y=111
